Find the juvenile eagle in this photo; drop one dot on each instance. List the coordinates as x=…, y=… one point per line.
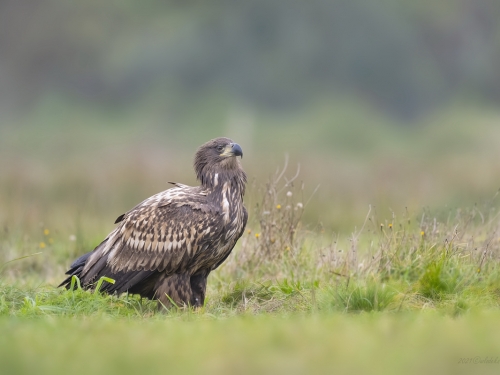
x=165, y=247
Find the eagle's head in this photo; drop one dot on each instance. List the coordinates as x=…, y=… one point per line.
x=217, y=160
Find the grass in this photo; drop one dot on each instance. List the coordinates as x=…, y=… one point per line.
x=192, y=343
x=395, y=296
x=365, y=322
x=400, y=290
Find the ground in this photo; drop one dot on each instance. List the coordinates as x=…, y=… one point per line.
x=321, y=282
x=400, y=296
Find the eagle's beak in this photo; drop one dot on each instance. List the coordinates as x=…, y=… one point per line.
x=233, y=149
x=236, y=150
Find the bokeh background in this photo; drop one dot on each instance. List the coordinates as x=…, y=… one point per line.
x=384, y=103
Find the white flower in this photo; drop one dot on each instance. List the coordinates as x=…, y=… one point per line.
x=300, y=205
x=289, y=194
x=72, y=238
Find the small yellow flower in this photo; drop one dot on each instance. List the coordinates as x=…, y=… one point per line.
x=257, y=235
x=390, y=225
x=422, y=233
x=42, y=245
x=46, y=232
x=278, y=206
x=287, y=248
x=478, y=270
x=249, y=231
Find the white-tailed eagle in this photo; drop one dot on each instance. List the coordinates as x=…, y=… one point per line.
x=165, y=247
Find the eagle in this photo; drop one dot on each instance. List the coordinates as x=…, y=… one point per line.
x=165, y=247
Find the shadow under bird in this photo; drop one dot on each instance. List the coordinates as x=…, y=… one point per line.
x=166, y=246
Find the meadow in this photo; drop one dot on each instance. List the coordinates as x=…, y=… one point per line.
x=372, y=271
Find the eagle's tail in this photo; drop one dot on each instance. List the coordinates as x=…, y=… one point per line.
x=124, y=281
x=75, y=270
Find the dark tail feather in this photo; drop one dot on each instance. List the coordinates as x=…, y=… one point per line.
x=75, y=270
x=134, y=281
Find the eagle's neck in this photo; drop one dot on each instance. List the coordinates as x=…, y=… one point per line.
x=225, y=192
x=225, y=182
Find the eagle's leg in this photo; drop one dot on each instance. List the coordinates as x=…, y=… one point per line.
x=174, y=288
x=199, y=286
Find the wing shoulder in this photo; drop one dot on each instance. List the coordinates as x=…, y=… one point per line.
x=172, y=196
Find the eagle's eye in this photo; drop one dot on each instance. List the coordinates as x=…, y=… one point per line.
x=220, y=148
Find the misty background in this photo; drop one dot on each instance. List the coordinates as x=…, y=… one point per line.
x=384, y=103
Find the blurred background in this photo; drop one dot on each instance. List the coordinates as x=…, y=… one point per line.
x=384, y=103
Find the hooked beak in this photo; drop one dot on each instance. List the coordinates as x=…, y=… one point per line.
x=233, y=149
x=236, y=150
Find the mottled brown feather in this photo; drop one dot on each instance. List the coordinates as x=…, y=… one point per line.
x=170, y=242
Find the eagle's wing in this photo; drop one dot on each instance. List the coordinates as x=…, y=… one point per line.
x=164, y=233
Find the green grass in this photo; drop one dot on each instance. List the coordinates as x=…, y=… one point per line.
x=377, y=289
x=396, y=296
x=412, y=343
